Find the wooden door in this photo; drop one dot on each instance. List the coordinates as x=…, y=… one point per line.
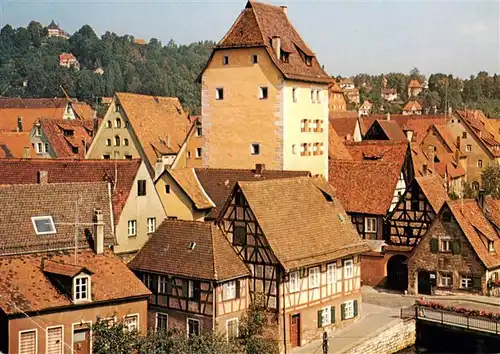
x=424, y=283
x=81, y=341
x=295, y=330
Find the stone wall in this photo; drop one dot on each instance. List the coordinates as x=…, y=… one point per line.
x=388, y=340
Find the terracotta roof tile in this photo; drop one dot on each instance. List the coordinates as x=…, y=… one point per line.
x=433, y=190
x=389, y=128
x=15, y=171
x=68, y=270
x=19, y=203
x=186, y=178
x=167, y=252
x=412, y=106
x=300, y=224
x=25, y=287
x=484, y=132
x=344, y=126
x=68, y=138
x=15, y=145
x=83, y=110
x=336, y=147
x=364, y=186
x=382, y=150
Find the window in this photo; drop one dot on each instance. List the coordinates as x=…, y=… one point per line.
x=326, y=317
x=164, y=285
x=263, y=93
x=189, y=154
x=491, y=246
x=294, y=282
x=294, y=94
x=82, y=288
x=117, y=140
x=219, y=93
x=55, y=340
x=313, y=97
x=318, y=96
x=225, y=60
x=132, y=227
x=255, y=59
x=229, y=290
x=118, y=123
x=294, y=149
x=151, y=223
x=314, y=277
x=331, y=273
x=232, y=328
x=304, y=126
x=464, y=135
x=125, y=142
x=480, y=163
x=193, y=288
x=141, y=187
x=109, y=124
x=47, y=148
x=468, y=148
x=193, y=327
x=127, y=157
x=43, y=225
x=130, y=322
x=445, y=245
x=239, y=235
x=161, y=321
x=105, y=156
x=348, y=269
x=28, y=342
x=371, y=225
x=39, y=148
x=117, y=108
x=74, y=149
x=304, y=149
x=198, y=153
x=38, y=130
x=199, y=131
x=348, y=311
x=465, y=282
x=167, y=189
x=254, y=149
x=108, y=142
x=445, y=280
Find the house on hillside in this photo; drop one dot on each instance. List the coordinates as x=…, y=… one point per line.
x=389, y=94
x=346, y=84
x=68, y=60
x=412, y=108
x=244, y=74
x=414, y=88
x=365, y=109
x=54, y=30
x=336, y=99
x=311, y=286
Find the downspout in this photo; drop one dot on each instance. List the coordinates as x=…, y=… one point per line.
x=284, y=317
x=214, y=306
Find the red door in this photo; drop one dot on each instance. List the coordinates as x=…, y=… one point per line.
x=295, y=330
x=81, y=341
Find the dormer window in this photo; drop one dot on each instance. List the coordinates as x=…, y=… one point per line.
x=38, y=130
x=284, y=56
x=43, y=225
x=68, y=132
x=491, y=246
x=81, y=288
x=308, y=60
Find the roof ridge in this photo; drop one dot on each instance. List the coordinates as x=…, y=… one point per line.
x=212, y=244
x=257, y=19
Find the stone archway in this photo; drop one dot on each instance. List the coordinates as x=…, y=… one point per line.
x=397, y=273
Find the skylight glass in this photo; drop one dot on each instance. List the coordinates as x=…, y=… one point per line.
x=43, y=225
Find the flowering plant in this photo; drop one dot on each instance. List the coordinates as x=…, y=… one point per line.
x=457, y=309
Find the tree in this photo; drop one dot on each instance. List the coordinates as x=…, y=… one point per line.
x=37, y=33
x=490, y=178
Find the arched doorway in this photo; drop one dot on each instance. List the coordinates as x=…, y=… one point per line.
x=424, y=282
x=397, y=272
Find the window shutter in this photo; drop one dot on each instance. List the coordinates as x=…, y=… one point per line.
x=342, y=312
x=476, y=283
x=237, y=289
x=320, y=318
x=456, y=246
x=54, y=340
x=355, y=306
x=332, y=314
x=27, y=343
x=434, y=245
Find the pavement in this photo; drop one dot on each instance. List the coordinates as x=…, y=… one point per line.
x=380, y=309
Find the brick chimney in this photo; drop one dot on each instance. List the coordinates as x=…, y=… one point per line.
x=19, y=124
x=42, y=177
x=285, y=9
x=98, y=231
x=259, y=168
x=276, y=43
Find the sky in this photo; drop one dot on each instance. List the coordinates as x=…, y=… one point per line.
x=349, y=37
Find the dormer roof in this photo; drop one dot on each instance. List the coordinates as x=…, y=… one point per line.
x=63, y=269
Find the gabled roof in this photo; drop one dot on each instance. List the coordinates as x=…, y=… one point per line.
x=475, y=224
x=66, y=57
x=15, y=171
x=344, y=126
x=445, y=135
x=336, y=147
x=382, y=150
x=167, y=252
x=478, y=124
x=53, y=25
x=15, y=145
x=19, y=203
x=300, y=224
x=24, y=287
x=83, y=110
x=389, y=129
x=257, y=24
x=219, y=183
x=57, y=133
x=366, y=105
x=159, y=123
x=64, y=269
x=414, y=84
x=365, y=187
x=412, y=106
x=433, y=190
x=186, y=178
x=335, y=88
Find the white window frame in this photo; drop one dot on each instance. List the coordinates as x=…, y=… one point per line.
x=162, y=284
x=25, y=331
x=132, y=228
x=468, y=281
x=348, y=268
x=331, y=273
x=318, y=96
x=190, y=289
x=479, y=163
x=88, y=288
x=295, y=96
x=446, y=284
x=151, y=224
x=47, y=338
x=468, y=148
x=294, y=282
x=348, y=306
x=38, y=130
x=369, y=222
x=38, y=148
x=156, y=319
x=126, y=325
x=229, y=290
x=314, y=278
x=187, y=325
x=326, y=316
x=35, y=218
x=198, y=153
x=445, y=241
x=227, y=327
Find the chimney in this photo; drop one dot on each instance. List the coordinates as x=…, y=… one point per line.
x=388, y=116
x=98, y=231
x=42, y=177
x=19, y=124
x=424, y=170
x=285, y=9
x=259, y=168
x=276, y=43
x=430, y=157
x=480, y=198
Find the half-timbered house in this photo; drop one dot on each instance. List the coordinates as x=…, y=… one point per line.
x=197, y=280
x=302, y=251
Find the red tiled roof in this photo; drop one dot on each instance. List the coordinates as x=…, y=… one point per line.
x=389, y=128
x=336, y=147
x=167, y=252
x=68, y=138
x=412, y=106
x=16, y=171
x=382, y=150
x=344, y=126
x=66, y=57
x=83, y=110
x=24, y=287
x=68, y=270
x=433, y=190
x=15, y=145
x=257, y=24
x=478, y=123
x=365, y=187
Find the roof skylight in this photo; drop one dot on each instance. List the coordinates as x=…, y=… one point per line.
x=43, y=225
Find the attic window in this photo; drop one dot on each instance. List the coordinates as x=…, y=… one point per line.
x=192, y=245
x=43, y=225
x=284, y=56
x=308, y=60
x=491, y=246
x=68, y=132
x=81, y=286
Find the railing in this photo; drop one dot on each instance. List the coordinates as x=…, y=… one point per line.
x=451, y=318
